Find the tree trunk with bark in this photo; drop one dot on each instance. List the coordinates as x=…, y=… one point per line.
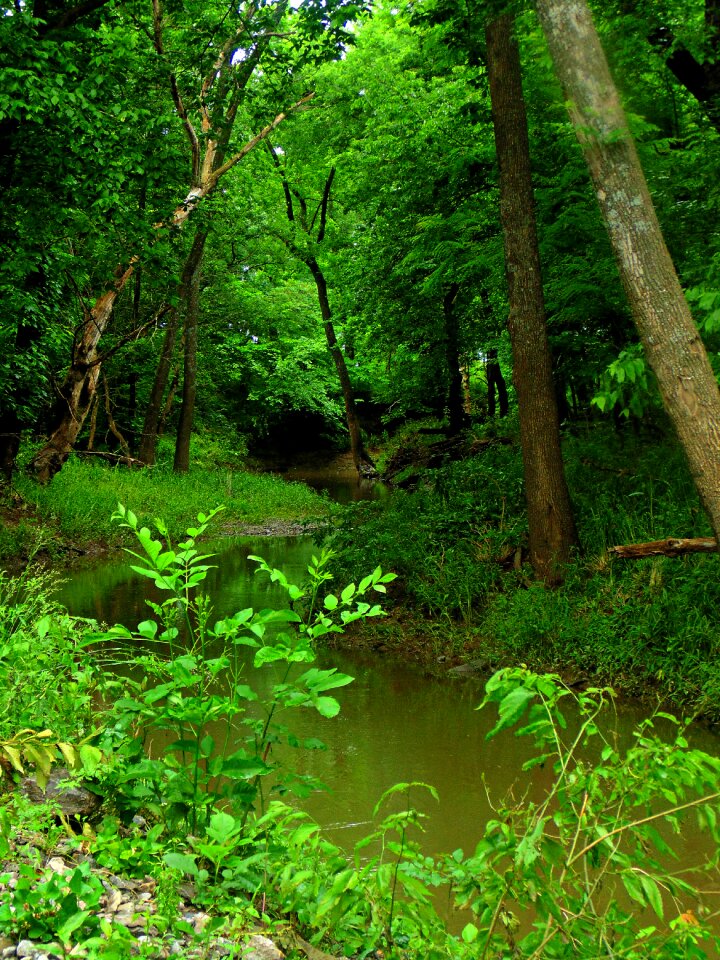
x=550, y=518
x=363, y=463
x=671, y=340
x=75, y=396
x=456, y=411
x=147, y=451
x=191, y=290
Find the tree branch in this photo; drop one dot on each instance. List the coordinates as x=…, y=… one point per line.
x=285, y=185
x=670, y=547
x=263, y=135
x=324, y=206
x=175, y=92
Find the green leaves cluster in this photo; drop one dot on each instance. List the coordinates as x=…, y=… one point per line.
x=219, y=745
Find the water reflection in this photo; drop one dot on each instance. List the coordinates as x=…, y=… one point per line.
x=396, y=724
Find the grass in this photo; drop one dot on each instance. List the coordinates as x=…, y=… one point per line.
x=646, y=626
x=82, y=497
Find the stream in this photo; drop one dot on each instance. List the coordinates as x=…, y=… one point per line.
x=396, y=723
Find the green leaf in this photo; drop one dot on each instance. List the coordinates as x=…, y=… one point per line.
x=327, y=706
x=184, y=862
x=511, y=708
x=652, y=892
x=90, y=757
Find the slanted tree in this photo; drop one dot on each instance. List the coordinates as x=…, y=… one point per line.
x=550, y=518
x=672, y=343
x=207, y=115
x=313, y=229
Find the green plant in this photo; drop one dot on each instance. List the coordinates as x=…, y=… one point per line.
x=214, y=734
x=44, y=905
x=579, y=870
x=56, y=680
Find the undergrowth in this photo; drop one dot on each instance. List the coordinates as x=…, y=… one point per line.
x=577, y=861
x=81, y=498
x=455, y=540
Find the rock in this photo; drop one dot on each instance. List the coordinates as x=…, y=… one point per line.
x=8, y=952
x=26, y=948
x=73, y=801
x=261, y=948
x=469, y=668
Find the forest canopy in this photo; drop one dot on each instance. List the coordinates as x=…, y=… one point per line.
x=291, y=223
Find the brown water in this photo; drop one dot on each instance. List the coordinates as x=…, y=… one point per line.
x=396, y=724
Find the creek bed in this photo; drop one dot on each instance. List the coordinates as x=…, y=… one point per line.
x=396, y=723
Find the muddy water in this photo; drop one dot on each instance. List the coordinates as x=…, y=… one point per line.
x=396, y=724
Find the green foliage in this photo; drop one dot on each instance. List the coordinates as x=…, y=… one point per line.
x=44, y=905
x=82, y=497
x=578, y=860
x=582, y=862
x=55, y=681
x=627, y=385
x=218, y=746
x=442, y=536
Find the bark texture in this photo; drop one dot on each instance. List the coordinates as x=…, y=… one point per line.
x=147, y=451
x=77, y=392
x=673, y=346
x=670, y=547
x=550, y=518
x=191, y=293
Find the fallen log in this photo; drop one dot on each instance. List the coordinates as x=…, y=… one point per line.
x=117, y=458
x=670, y=547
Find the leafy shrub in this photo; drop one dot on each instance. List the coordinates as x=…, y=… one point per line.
x=55, y=679
x=443, y=537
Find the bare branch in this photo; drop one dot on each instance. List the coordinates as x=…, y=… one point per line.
x=670, y=547
x=285, y=185
x=263, y=135
x=324, y=206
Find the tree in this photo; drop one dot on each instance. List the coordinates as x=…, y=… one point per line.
x=550, y=518
x=213, y=153
x=303, y=248
x=670, y=338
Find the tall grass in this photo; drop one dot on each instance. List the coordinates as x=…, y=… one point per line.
x=83, y=496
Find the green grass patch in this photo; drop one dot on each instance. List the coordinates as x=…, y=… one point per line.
x=83, y=496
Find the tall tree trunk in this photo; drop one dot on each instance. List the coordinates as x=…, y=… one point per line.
x=495, y=384
x=363, y=464
x=550, y=518
x=147, y=451
x=456, y=410
x=153, y=415
x=191, y=287
x=670, y=338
